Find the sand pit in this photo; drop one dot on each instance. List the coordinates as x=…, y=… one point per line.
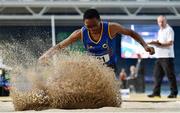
x=126, y=107
x=76, y=81
x=70, y=81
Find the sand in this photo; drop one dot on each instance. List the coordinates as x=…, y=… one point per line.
x=132, y=107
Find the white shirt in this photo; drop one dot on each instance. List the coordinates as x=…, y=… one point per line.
x=165, y=35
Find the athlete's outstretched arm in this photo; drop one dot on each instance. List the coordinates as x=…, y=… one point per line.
x=53, y=50
x=116, y=28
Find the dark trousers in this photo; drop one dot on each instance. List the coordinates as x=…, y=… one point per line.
x=3, y=92
x=164, y=66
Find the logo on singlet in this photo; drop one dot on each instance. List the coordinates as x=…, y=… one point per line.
x=105, y=46
x=89, y=46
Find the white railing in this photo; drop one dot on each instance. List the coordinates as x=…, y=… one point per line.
x=123, y=7
x=89, y=0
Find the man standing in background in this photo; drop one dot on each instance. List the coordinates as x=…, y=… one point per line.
x=164, y=64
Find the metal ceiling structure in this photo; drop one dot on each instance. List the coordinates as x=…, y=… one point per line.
x=71, y=11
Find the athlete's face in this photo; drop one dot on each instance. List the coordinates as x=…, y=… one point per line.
x=93, y=25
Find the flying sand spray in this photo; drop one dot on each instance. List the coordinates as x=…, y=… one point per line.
x=73, y=81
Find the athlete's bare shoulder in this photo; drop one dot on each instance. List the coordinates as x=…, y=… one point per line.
x=114, y=28
x=76, y=34
x=114, y=25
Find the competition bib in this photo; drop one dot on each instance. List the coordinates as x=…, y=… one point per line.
x=104, y=58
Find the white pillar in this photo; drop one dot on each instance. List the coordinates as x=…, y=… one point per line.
x=132, y=28
x=53, y=36
x=53, y=31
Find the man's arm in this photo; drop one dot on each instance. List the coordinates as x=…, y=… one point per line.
x=53, y=50
x=158, y=44
x=169, y=42
x=116, y=28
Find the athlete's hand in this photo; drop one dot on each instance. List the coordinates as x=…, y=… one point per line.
x=149, y=49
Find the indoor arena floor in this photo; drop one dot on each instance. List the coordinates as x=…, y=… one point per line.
x=136, y=103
